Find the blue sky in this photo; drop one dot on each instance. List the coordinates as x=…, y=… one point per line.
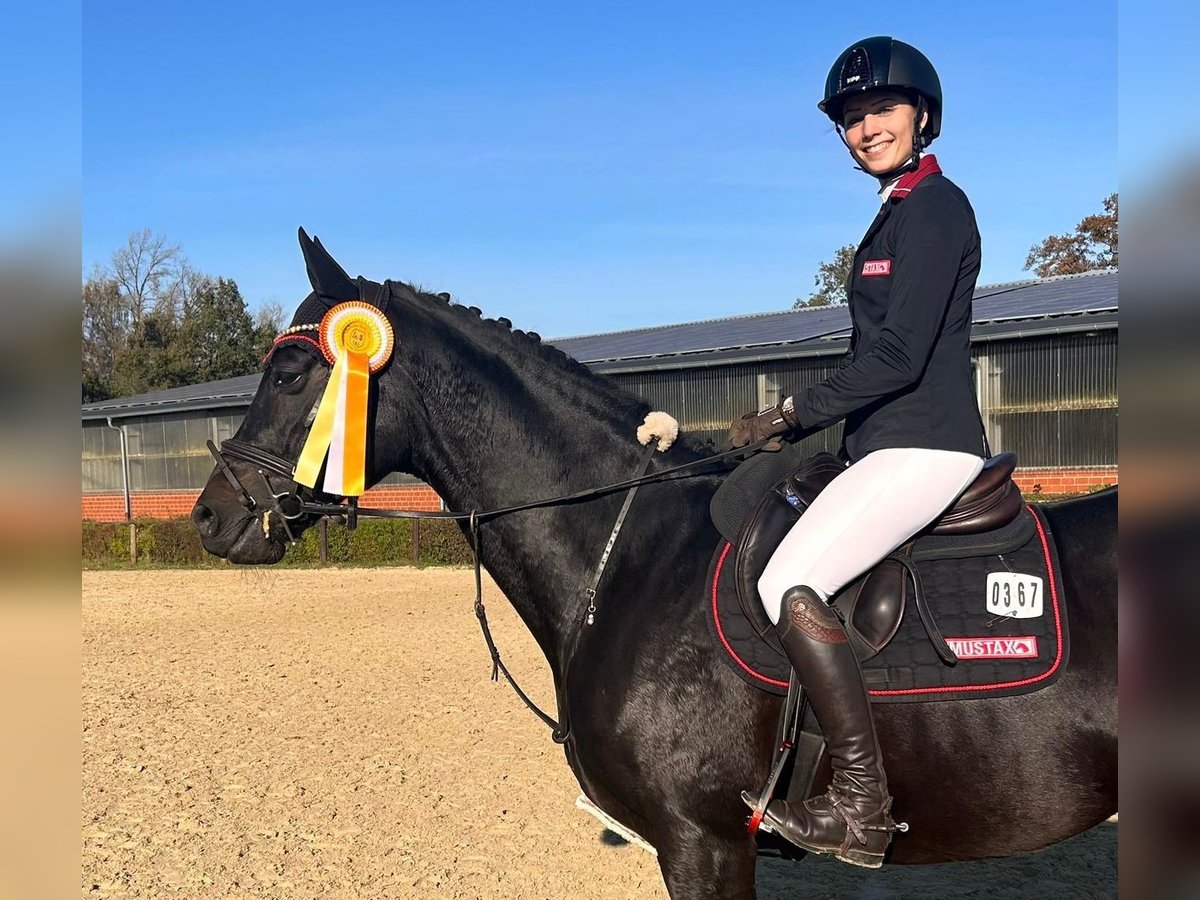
x=40, y=71
x=575, y=169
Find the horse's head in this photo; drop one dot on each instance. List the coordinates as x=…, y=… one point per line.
x=486, y=414
x=248, y=509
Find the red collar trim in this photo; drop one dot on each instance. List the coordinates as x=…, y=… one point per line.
x=909, y=180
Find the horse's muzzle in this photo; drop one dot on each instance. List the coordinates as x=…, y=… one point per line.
x=231, y=531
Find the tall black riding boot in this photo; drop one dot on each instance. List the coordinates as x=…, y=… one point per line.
x=852, y=819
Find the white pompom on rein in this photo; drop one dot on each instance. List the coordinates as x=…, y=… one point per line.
x=659, y=425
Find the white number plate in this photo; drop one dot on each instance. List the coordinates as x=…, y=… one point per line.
x=1015, y=596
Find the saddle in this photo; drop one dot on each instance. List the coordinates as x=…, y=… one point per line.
x=871, y=607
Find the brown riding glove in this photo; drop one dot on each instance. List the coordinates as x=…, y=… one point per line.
x=756, y=426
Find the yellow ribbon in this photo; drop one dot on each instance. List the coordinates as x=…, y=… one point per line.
x=313, y=454
x=357, y=339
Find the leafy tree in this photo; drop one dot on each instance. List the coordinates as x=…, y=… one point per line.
x=830, y=280
x=105, y=334
x=151, y=361
x=217, y=337
x=1092, y=245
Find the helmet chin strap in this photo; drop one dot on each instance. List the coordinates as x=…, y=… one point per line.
x=910, y=164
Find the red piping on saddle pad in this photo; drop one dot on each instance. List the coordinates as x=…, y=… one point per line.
x=721, y=631
x=930, y=690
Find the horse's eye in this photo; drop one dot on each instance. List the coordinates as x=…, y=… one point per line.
x=284, y=378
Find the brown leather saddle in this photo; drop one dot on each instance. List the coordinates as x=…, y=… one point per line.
x=873, y=605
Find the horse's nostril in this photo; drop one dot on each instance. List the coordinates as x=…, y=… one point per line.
x=204, y=519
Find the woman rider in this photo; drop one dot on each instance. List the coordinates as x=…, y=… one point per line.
x=913, y=433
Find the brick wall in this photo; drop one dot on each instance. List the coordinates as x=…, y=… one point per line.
x=1064, y=481
x=402, y=496
x=146, y=505
x=171, y=504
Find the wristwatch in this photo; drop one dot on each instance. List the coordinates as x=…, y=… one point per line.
x=788, y=408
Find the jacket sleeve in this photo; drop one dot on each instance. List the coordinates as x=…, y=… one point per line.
x=925, y=268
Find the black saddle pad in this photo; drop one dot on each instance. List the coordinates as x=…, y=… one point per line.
x=996, y=596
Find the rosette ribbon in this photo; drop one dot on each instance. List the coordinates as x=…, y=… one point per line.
x=357, y=339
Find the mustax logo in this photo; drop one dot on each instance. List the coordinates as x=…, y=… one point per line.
x=994, y=648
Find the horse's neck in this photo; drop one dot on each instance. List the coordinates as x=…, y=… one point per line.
x=512, y=449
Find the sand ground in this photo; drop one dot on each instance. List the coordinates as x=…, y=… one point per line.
x=334, y=734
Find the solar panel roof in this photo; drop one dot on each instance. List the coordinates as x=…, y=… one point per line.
x=1034, y=299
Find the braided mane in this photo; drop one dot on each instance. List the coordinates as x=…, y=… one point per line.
x=471, y=321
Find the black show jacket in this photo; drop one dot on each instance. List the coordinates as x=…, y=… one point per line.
x=907, y=379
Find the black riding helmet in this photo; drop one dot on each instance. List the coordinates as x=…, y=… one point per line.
x=884, y=62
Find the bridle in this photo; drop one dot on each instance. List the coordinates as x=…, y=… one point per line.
x=289, y=505
x=296, y=502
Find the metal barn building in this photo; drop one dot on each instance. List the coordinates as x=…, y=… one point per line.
x=1044, y=354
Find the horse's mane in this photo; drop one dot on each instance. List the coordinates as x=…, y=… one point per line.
x=499, y=332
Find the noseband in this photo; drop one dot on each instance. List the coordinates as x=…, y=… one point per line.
x=288, y=505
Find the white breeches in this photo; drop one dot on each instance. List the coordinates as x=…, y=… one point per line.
x=864, y=514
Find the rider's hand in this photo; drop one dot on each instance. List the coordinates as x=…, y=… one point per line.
x=757, y=426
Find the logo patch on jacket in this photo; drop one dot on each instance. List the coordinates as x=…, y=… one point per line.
x=877, y=267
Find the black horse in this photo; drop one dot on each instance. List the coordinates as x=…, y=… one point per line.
x=664, y=734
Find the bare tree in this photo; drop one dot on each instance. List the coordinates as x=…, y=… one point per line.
x=149, y=273
x=268, y=322
x=269, y=318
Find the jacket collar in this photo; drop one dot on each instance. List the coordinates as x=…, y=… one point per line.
x=909, y=180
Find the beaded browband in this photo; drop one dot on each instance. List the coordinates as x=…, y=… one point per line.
x=294, y=333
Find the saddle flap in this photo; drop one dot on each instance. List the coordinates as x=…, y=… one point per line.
x=871, y=606
x=770, y=518
x=744, y=488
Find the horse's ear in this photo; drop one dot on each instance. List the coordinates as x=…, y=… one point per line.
x=383, y=295
x=328, y=279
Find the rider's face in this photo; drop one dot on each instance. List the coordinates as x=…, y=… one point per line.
x=879, y=129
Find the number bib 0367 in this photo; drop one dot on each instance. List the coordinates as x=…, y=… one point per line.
x=1014, y=595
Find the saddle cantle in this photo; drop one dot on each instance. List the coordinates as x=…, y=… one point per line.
x=873, y=605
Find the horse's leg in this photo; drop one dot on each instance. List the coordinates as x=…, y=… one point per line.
x=698, y=864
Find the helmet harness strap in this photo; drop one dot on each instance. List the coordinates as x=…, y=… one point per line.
x=918, y=144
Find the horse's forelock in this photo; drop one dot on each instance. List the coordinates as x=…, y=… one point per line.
x=310, y=311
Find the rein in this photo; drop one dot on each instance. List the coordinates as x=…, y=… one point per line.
x=290, y=505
